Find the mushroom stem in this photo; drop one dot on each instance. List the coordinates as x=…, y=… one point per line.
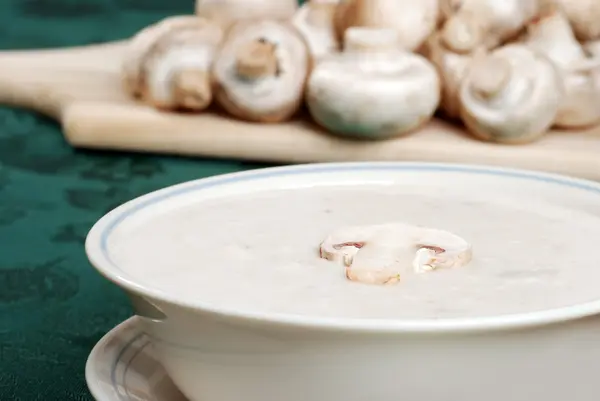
x=413, y=21
x=489, y=77
x=366, y=39
x=257, y=60
x=192, y=88
x=320, y=13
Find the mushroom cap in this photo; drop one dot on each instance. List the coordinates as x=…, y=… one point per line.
x=142, y=42
x=463, y=33
x=385, y=253
x=583, y=16
x=314, y=20
x=580, y=107
x=452, y=68
x=272, y=97
x=226, y=12
x=177, y=70
x=553, y=36
x=511, y=95
x=386, y=94
x=414, y=21
x=487, y=23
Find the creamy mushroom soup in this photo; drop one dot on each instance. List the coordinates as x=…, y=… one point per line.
x=260, y=252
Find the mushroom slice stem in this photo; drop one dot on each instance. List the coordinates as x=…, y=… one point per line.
x=383, y=254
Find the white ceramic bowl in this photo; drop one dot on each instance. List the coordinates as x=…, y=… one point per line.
x=214, y=354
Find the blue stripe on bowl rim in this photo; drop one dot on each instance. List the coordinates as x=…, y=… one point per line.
x=276, y=172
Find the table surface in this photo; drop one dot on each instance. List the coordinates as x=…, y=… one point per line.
x=53, y=305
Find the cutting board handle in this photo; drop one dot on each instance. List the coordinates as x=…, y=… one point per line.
x=46, y=80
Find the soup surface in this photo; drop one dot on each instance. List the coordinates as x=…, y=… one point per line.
x=259, y=252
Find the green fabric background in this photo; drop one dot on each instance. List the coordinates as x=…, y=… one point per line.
x=53, y=306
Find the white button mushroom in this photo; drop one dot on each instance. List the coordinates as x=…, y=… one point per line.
x=168, y=63
x=227, y=12
x=314, y=20
x=552, y=35
x=584, y=17
x=486, y=22
x=382, y=254
x=511, y=95
x=141, y=43
x=412, y=20
x=261, y=70
x=372, y=90
x=452, y=68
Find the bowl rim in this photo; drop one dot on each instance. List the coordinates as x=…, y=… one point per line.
x=98, y=255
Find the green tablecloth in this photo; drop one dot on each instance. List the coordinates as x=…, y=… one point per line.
x=53, y=306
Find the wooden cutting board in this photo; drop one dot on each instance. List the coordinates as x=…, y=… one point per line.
x=80, y=87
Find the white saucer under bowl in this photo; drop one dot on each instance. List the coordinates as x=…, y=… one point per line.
x=122, y=367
